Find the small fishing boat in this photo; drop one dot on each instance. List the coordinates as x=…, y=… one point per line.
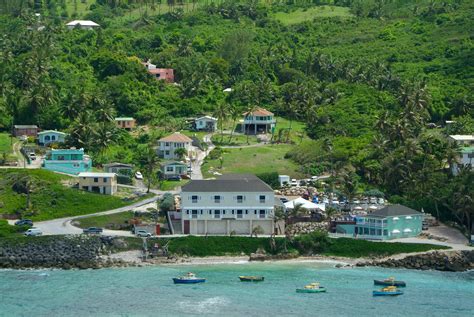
x=311, y=288
x=388, y=291
x=189, y=278
x=390, y=282
x=251, y=278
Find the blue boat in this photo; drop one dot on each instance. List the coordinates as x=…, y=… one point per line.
x=390, y=282
x=189, y=278
x=387, y=291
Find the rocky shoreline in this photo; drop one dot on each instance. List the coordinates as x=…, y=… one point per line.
x=450, y=261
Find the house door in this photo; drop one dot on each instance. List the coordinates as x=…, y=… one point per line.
x=186, y=227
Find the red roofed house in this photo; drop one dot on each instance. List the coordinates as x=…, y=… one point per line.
x=166, y=74
x=169, y=144
x=259, y=121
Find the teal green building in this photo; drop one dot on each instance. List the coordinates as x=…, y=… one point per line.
x=69, y=161
x=390, y=222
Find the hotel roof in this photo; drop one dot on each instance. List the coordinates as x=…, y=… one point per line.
x=228, y=183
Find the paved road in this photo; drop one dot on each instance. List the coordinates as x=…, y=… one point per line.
x=196, y=172
x=64, y=226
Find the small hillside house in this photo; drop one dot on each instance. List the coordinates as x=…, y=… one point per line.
x=166, y=74
x=101, y=183
x=169, y=144
x=69, y=161
x=51, y=136
x=206, y=123
x=259, y=121
x=28, y=130
x=390, y=222
x=119, y=168
x=235, y=203
x=126, y=123
x=466, y=154
x=173, y=168
x=82, y=24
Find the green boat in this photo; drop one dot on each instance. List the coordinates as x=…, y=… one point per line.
x=312, y=288
x=251, y=278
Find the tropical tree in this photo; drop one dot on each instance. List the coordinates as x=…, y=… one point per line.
x=250, y=110
x=221, y=113
x=148, y=160
x=181, y=153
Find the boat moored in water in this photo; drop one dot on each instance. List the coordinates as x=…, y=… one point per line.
x=390, y=282
x=251, y=278
x=312, y=288
x=388, y=291
x=189, y=278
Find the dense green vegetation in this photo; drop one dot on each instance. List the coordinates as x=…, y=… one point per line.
x=44, y=195
x=365, y=77
x=7, y=230
x=219, y=246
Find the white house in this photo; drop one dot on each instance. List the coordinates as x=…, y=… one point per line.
x=82, y=24
x=466, y=156
x=51, y=136
x=173, y=168
x=206, y=123
x=169, y=144
x=259, y=121
x=102, y=183
x=233, y=203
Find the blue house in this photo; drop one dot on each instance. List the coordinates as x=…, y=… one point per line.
x=50, y=136
x=390, y=222
x=69, y=161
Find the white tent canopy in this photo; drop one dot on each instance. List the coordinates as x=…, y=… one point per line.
x=305, y=204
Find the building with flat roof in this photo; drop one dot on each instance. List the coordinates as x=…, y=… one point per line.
x=233, y=203
x=101, y=183
x=69, y=161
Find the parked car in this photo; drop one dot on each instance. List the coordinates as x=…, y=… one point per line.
x=424, y=225
x=283, y=199
x=138, y=175
x=381, y=201
x=335, y=202
x=93, y=230
x=293, y=182
x=373, y=200
x=24, y=222
x=142, y=234
x=174, y=178
x=32, y=156
x=33, y=232
x=356, y=201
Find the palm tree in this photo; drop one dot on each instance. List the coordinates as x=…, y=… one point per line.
x=234, y=114
x=221, y=113
x=148, y=160
x=250, y=110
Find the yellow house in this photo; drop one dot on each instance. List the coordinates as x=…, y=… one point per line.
x=102, y=183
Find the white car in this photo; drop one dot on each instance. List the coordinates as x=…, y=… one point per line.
x=381, y=201
x=32, y=156
x=138, y=175
x=33, y=232
x=294, y=182
x=356, y=201
x=335, y=202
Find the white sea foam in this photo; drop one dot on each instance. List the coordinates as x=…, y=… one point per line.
x=208, y=305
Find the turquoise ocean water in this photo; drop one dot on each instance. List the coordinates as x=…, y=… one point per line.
x=149, y=291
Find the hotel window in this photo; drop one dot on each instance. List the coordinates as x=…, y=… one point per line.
x=194, y=199
x=262, y=198
x=385, y=232
x=240, y=214
x=217, y=199
x=246, y=212
x=261, y=214
x=217, y=213
x=96, y=179
x=105, y=180
x=240, y=199
x=194, y=214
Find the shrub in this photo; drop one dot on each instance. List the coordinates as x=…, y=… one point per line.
x=315, y=242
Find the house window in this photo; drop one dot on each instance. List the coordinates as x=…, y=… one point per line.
x=194, y=214
x=167, y=152
x=261, y=214
x=217, y=213
x=169, y=168
x=262, y=199
x=96, y=179
x=194, y=199
x=217, y=199
x=53, y=138
x=240, y=214
x=385, y=232
x=240, y=199
x=167, y=144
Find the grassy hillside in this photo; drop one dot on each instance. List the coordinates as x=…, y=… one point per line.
x=51, y=196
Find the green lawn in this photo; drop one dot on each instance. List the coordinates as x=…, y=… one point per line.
x=115, y=221
x=51, y=196
x=237, y=140
x=171, y=185
x=302, y=15
x=256, y=160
